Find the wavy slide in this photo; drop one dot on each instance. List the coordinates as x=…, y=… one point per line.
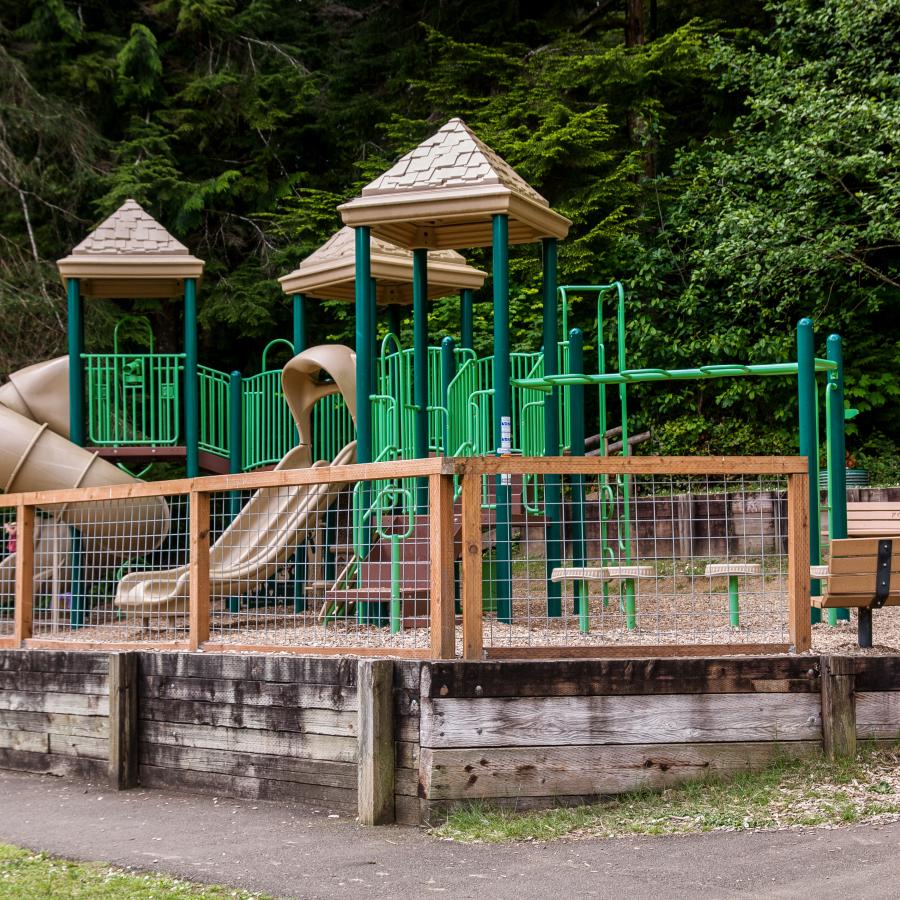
x=267, y=530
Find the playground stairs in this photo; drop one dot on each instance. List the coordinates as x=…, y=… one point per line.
x=375, y=571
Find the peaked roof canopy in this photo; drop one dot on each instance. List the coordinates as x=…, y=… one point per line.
x=330, y=272
x=444, y=193
x=130, y=255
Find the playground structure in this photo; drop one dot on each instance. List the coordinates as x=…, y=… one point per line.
x=361, y=549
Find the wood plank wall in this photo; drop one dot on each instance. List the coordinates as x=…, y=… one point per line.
x=516, y=733
x=254, y=727
x=407, y=679
x=533, y=734
x=54, y=712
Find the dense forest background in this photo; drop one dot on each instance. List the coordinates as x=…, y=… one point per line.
x=734, y=162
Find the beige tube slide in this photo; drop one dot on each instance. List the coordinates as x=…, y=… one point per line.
x=36, y=455
x=266, y=532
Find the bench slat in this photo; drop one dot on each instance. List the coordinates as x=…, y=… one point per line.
x=861, y=565
x=858, y=584
x=839, y=601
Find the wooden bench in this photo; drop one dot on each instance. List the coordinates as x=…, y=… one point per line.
x=863, y=573
x=878, y=519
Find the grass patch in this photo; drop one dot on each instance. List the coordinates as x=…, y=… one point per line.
x=789, y=793
x=35, y=875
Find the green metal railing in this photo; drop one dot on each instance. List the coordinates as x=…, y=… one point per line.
x=268, y=430
x=332, y=427
x=215, y=417
x=133, y=399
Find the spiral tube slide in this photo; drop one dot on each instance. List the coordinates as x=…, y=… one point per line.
x=36, y=455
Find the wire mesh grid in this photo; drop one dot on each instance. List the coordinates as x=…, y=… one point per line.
x=112, y=571
x=8, y=543
x=322, y=565
x=636, y=559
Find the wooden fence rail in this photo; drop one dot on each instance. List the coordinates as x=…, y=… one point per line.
x=456, y=497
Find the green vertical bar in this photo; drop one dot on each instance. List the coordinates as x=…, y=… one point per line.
x=191, y=381
x=363, y=347
x=552, y=491
x=363, y=394
x=576, y=403
x=502, y=411
x=734, y=603
x=76, y=364
x=448, y=370
x=806, y=389
x=299, y=305
x=420, y=367
x=234, y=422
x=837, y=449
x=394, y=319
x=467, y=318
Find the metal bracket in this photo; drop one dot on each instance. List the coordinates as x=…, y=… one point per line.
x=882, y=574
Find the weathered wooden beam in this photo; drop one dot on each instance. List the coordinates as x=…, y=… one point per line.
x=199, y=568
x=375, y=730
x=799, y=622
x=618, y=677
x=123, y=719
x=22, y=622
x=443, y=614
x=838, y=707
x=471, y=567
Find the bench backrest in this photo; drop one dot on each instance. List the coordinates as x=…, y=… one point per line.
x=852, y=566
x=881, y=518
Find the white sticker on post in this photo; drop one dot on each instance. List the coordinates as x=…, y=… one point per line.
x=505, y=434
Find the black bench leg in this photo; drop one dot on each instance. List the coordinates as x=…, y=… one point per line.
x=864, y=627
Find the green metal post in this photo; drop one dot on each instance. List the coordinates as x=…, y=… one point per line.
x=502, y=412
x=552, y=490
x=448, y=370
x=576, y=404
x=394, y=319
x=363, y=347
x=734, y=603
x=76, y=364
x=373, y=324
x=420, y=367
x=806, y=389
x=299, y=304
x=235, y=421
x=837, y=449
x=191, y=381
x=364, y=361
x=396, y=580
x=467, y=318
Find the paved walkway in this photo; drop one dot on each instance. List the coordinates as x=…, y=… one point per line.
x=293, y=852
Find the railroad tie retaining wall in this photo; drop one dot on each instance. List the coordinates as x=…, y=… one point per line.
x=521, y=734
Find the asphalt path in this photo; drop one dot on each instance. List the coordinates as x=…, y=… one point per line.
x=292, y=851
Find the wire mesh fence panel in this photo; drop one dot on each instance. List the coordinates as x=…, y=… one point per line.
x=8, y=544
x=584, y=560
x=111, y=571
x=321, y=565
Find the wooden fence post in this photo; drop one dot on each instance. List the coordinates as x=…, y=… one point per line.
x=442, y=557
x=471, y=566
x=199, y=568
x=838, y=680
x=123, y=739
x=798, y=525
x=24, y=611
x=375, y=779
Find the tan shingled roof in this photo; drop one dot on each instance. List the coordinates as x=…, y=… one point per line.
x=329, y=273
x=444, y=193
x=130, y=255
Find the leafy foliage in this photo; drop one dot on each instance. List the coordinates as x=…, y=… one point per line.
x=737, y=170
